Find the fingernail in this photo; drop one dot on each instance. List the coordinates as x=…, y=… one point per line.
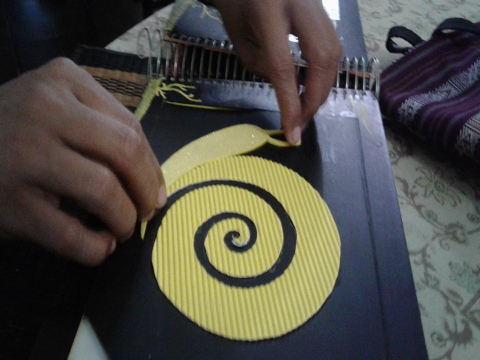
x=295, y=135
x=162, y=197
x=149, y=216
x=113, y=247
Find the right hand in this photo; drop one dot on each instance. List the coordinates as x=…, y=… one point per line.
x=63, y=136
x=259, y=31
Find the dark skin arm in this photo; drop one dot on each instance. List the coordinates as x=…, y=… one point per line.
x=64, y=136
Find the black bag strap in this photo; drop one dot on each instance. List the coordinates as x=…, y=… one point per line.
x=401, y=32
x=457, y=24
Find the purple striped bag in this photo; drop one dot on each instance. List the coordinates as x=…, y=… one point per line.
x=434, y=89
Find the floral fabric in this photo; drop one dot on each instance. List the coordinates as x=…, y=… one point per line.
x=439, y=198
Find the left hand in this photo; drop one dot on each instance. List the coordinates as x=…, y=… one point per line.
x=63, y=136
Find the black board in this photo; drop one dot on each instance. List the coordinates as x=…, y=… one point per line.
x=372, y=312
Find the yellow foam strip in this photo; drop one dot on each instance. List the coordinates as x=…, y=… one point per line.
x=233, y=140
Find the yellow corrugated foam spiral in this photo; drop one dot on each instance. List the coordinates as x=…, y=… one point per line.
x=247, y=249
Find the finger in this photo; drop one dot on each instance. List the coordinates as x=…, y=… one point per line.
x=90, y=93
x=123, y=150
x=93, y=186
x=259, y=30
x=282, y=74
x=322, y=50
x=65, y=235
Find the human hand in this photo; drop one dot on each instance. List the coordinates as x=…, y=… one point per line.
x=259, y=31
x=63, y=136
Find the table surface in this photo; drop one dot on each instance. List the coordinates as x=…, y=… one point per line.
x=439, y=199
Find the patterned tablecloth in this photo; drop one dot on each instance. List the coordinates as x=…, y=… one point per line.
x=439, y=197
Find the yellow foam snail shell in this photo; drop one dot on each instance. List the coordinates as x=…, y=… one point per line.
x=247, y=249
x=233, y=140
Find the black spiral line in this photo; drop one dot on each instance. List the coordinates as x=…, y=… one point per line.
x=289, y=234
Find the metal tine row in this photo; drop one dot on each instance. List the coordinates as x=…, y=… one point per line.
x=191, y=59
x=167, y=51
x=355, y=76
x=209, y=61
x=203, y=60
